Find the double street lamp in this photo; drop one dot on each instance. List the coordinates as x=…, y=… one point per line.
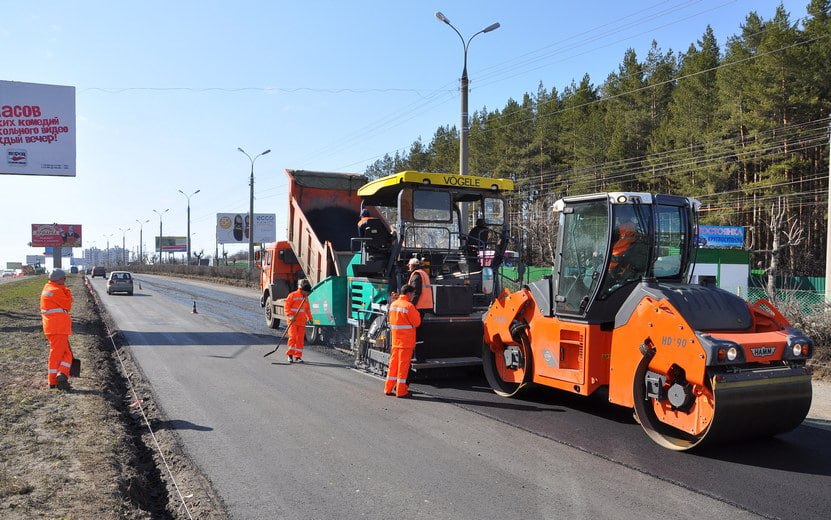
x=161, y=235
x=123, y=240
x=188, y=197
x=251, y=214
x=463, y=138
x=141, y=239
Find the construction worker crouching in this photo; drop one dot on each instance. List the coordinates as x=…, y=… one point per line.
x=404, y=319
x=55, y=304
x=298, y=313
x=420, y=280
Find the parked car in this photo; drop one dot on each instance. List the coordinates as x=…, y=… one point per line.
x=99, y=270
x=8, y=273
x=120, y=281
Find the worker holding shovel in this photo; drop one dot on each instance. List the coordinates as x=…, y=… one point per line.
x=298, y=313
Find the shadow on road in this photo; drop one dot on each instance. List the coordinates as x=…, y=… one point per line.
x=179, y=424
x=804, y=450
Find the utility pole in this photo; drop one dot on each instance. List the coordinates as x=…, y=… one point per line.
x=828, y=229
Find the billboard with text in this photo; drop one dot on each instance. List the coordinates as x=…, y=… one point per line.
x=54, y=235
x=720, y=236
x=173, y=244
x=37, y=129
x=233, y=228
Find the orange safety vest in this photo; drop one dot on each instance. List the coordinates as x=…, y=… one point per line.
x=55, y=304
x=404, y=319
x=627, y=235
x=425, y=299
x=297, y=308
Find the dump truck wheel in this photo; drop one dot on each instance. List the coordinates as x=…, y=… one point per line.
x=270, y=319
x=312, y=335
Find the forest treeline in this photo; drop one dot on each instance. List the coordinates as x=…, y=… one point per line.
x=742, y=126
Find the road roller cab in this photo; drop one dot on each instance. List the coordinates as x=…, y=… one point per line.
x=695, y=363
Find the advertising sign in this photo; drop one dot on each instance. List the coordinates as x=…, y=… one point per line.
x=37, y=129
x=173, y=244
x=14, y=265
x=53, y=235
x=35, y=259
x=720, y=236
x=233, y=228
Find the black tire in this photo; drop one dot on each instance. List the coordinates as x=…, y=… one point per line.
x=270, y=320
x=312, y=334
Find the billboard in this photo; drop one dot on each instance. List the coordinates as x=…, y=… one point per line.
x=37, y=129
x=720, y=236
x=35, y=259
x=53, y=235
x=233, y=228
x=173, y=244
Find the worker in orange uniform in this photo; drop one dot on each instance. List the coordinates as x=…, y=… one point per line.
x=55, y=304
x=420, y=280
x=298, y=312
x=627, y=236
x=404, y=319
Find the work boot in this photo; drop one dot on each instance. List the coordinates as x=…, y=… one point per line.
x=298, y=360
x=290, y=359
x=63, y=382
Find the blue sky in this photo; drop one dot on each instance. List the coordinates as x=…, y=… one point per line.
x=167, y=91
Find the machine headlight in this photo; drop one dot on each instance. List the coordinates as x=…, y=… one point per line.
x=800, y=349
x=732, y=354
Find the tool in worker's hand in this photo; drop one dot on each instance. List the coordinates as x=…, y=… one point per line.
x=284, y=332
x=282, y=337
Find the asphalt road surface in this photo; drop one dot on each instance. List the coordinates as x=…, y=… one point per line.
x=321, y=440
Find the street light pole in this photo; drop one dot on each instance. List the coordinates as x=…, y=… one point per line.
x=465, y=133
x=123, y=244
x=251, y=214
x=463, y=138
x=107, y=260
x=141, y=239
x=188, y=197
x=161, y=235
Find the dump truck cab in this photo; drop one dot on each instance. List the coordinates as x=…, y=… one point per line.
x=421, y=215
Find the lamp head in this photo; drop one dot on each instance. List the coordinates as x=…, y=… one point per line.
x=442, y=18
x=491, y=27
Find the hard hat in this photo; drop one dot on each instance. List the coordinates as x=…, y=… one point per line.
x=304, y=285
x=57, y=274
x=413, y=261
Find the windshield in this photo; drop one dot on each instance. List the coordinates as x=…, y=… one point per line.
x=585, y=232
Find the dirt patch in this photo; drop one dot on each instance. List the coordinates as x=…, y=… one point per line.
x=87, y=453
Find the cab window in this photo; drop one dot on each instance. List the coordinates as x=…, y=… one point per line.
x=432, y=206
